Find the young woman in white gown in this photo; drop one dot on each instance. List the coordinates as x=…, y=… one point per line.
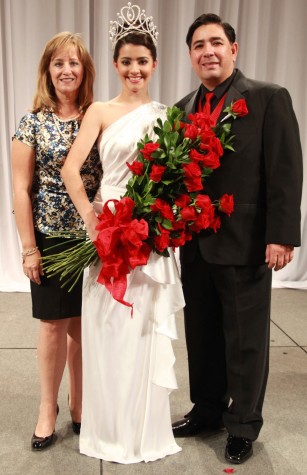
x=127, y=362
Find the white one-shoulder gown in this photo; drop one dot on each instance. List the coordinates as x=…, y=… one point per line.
x=128, y=362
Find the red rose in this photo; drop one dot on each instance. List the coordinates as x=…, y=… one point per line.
x=188, y=213
x=191, y=131
x=217, y=146
x=215, y=223
x=192, y=177
x=179, y=240
x=195, y=155
x=206, y=135
x=226, y=204
x=163, y=208
x=157, y=173
x=193, y=184
x=136, y=167
x=203, y=201
x=148, y=149
x=182, y=200
x=178, y=225
x=211, y=160
x=200, y=120
x=211, y=142
x=162, y=241
x=239, y=107
x=204, y=219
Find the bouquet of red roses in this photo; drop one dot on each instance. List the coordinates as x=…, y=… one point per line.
x=164, y=203
x=168, y=179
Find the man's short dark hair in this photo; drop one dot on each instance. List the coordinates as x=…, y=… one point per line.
x=206, y=19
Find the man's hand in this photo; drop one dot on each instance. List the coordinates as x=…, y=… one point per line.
x=278, y=256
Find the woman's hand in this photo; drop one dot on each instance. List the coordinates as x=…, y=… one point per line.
x=91, y=228
x=33, y=268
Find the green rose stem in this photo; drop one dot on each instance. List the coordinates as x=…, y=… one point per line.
x=70, y=263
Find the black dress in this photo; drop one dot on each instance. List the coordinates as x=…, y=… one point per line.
x=53, y=210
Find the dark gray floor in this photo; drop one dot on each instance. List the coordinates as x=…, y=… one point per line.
x=281, y=448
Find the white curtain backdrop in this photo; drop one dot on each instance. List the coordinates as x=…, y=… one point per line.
x=272, y=47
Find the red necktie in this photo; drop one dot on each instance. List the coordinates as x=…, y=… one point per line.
x=207, y=106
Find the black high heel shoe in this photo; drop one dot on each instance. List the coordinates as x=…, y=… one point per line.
x=41, y=443
x=76, y=426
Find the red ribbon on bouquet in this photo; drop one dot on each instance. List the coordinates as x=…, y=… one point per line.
x=120, y=246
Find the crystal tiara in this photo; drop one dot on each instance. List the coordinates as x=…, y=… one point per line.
x=132, y=19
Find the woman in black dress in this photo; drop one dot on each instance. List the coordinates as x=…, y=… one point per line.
x=42, y=206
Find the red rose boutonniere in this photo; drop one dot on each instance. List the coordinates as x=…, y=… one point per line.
x=236, y=109
x=240, y=108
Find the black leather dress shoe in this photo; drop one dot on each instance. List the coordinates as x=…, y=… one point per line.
x=238, y=449
x=76, y=427
x=190, y=426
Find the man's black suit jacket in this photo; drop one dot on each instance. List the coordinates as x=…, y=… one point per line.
x=264, y=174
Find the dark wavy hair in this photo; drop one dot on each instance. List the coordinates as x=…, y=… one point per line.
x=207, y=19
x=136, y=38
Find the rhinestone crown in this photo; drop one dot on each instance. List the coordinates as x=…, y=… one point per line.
x=132, y=19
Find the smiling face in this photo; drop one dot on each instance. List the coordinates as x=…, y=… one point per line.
x=135, y=66
x=66, y=72
x=212, y=55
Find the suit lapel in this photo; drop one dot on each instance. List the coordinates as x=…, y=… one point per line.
x=232, y=95
x=236, y=91
x=190, y=106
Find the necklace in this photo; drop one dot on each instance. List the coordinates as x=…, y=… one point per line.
x=66, y=136
x=66, y=119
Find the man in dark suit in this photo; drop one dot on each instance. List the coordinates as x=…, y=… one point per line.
x=227, y=276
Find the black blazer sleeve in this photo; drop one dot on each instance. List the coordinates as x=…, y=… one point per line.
x=283, y=170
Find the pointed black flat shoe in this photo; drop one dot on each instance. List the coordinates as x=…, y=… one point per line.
x=41, y=443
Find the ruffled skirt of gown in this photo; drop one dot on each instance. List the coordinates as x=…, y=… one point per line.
x=128, y=364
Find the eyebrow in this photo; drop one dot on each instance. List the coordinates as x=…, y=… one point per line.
x=74, y=58
x=212, y=38
x=140, y=57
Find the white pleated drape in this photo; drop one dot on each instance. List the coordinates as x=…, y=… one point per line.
x=271, y=36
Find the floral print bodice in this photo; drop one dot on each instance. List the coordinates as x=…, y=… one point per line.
x=50, y=138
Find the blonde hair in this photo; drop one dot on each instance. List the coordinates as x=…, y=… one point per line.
x=45, y=97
